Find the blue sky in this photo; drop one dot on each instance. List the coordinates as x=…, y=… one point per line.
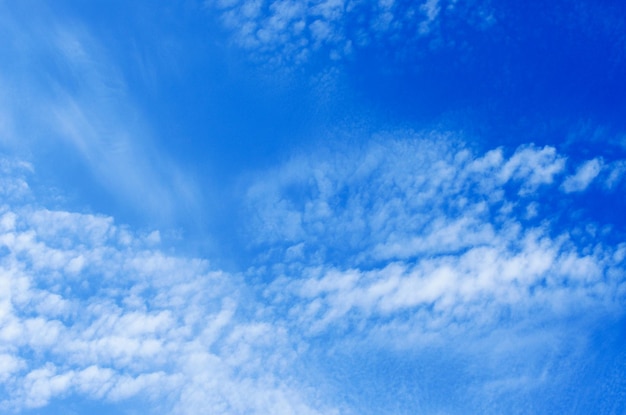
x=312, y=207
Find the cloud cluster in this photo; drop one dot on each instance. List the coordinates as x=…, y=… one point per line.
x=408, y=238
x=292, y=31
x=400, y=244
x=89, y=308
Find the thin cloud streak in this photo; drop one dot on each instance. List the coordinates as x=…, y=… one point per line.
x=78, y=107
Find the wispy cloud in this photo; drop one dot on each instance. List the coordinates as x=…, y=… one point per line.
x=585, y=174
x=616, y=172
x=67, y=96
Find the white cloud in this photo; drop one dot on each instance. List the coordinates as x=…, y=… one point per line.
x=431, y=9
x=397, y=198
x=414, y=237
x=8, y=365
x=131, y=322
x=13, y=183
x=404, y=243
x=538, y=275
x=585, y=174
x=616, y=172
x=533, y=166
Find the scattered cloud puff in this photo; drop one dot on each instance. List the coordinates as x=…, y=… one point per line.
x=615, y=175
x=89, y=308
x=13, y=179
x=292, y=31
x=585, y=174
x=418, y=238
